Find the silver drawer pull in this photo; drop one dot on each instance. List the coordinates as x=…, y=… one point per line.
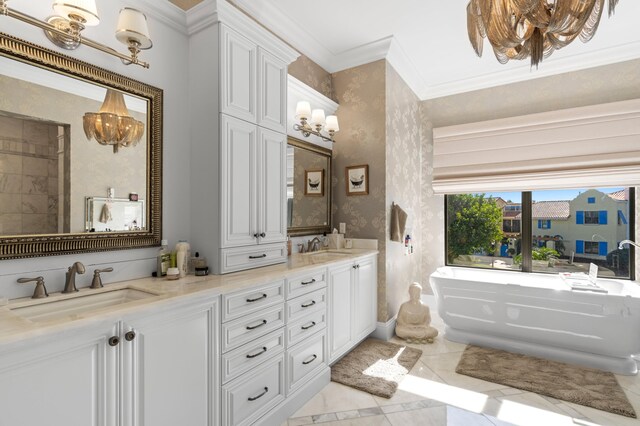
x=264, y=296
x=258, y=257
x=306, y=305
x=253, y=398
x=313, y=358
x=313, y=280
x=313, y=323
x=253, y=327
x=264, y=349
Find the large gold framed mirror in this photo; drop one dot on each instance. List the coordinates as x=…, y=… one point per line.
x=62, y=189
x=308, y=188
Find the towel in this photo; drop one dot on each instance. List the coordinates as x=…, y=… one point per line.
x=105, y=213
x=398, y=222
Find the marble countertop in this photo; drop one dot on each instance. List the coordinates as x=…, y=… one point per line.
x=14, y=329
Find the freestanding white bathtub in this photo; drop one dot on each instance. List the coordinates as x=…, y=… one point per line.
x=540, y=315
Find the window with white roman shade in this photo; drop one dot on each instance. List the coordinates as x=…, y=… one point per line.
x=582, y=147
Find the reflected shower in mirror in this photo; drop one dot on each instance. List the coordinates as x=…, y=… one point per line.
x=69, y=132
x=308, y=188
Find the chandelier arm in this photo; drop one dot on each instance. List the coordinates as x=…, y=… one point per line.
x=308, y=131
x=88, y=42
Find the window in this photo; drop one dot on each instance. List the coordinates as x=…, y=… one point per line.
x=591, y=247
x=591, y=218
x=487, y=230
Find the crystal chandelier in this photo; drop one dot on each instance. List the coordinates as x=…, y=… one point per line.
x=518, y=29
x=113, y=125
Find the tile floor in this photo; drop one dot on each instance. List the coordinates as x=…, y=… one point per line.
x=433, y=394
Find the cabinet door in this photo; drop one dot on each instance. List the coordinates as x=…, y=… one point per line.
x=174, y=365
x=67, y=381
x=340, y=311
x=237, y=75
x=238, y=175
x=272, y=92
x=365, y=285
x=272, y=220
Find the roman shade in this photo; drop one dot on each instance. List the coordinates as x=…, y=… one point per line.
x=593, y=146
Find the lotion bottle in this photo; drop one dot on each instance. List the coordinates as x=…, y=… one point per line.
x=183, y=252
x=163, y=259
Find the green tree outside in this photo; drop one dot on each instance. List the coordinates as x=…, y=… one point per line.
x=474, y=223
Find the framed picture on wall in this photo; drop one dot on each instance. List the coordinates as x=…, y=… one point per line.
x=357, y=178
x=314, y=183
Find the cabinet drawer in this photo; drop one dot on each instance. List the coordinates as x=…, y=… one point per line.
x=251, y=395
x=246, y=329
x=241, y=258
x=241, y=360
x=241, y=303
x=305, y=359
x=310, y=324
x=300, y=306
x=306, y=283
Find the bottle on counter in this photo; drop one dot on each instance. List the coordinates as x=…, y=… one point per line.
x=163, y=259
x=183, y=255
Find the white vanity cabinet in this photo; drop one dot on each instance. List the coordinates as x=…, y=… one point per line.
x=253, y=185
x=154, y=369
x=352, y=302
x=253, y=82
x=169, y=367
x=71, y=380
x=239, y=143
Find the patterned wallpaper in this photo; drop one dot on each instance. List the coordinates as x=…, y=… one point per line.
x=313, y=75
x=587, y=87
x=360, y=92
x=379, y=116
x=403, y=187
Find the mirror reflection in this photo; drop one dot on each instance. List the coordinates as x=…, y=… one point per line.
x=308, y=188
x=48, y=166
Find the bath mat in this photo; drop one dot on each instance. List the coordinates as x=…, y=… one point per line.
x=375, y=366
x=580, y=385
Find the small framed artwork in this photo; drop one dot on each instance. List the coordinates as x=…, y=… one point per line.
x=357, y=178
x=314, y=183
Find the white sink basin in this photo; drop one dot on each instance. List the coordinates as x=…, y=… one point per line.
x=47, y=310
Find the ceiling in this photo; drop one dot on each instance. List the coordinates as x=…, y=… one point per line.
x=426, y=41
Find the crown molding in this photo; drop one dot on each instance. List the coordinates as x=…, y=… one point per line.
x=165, y=12
x=291, y=31
x=552, y=66
x=210, y=12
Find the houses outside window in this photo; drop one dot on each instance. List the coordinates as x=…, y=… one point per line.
x=569, y=230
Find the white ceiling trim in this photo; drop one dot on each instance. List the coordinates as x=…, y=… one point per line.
x=557, y=64
x=165, y=12
x=201, y=16
x=290, y=30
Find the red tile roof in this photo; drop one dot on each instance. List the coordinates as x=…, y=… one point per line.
x=551, y=210
x=622, y=195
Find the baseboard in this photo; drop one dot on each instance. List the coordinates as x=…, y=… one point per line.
x=385, y=330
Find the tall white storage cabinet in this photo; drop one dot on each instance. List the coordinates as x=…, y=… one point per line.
x=238, y=88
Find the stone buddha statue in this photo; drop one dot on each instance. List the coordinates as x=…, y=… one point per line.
x=414, y=319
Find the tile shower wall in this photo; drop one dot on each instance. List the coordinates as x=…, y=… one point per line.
x=29, y=176
x=575, y=89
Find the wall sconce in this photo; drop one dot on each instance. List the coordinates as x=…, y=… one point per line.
x=318, y=121
x=72, y=16
x=113, y=125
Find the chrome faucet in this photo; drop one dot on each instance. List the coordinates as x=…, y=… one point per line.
x=623, y=242
x=70, y=281
x=314, y=245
